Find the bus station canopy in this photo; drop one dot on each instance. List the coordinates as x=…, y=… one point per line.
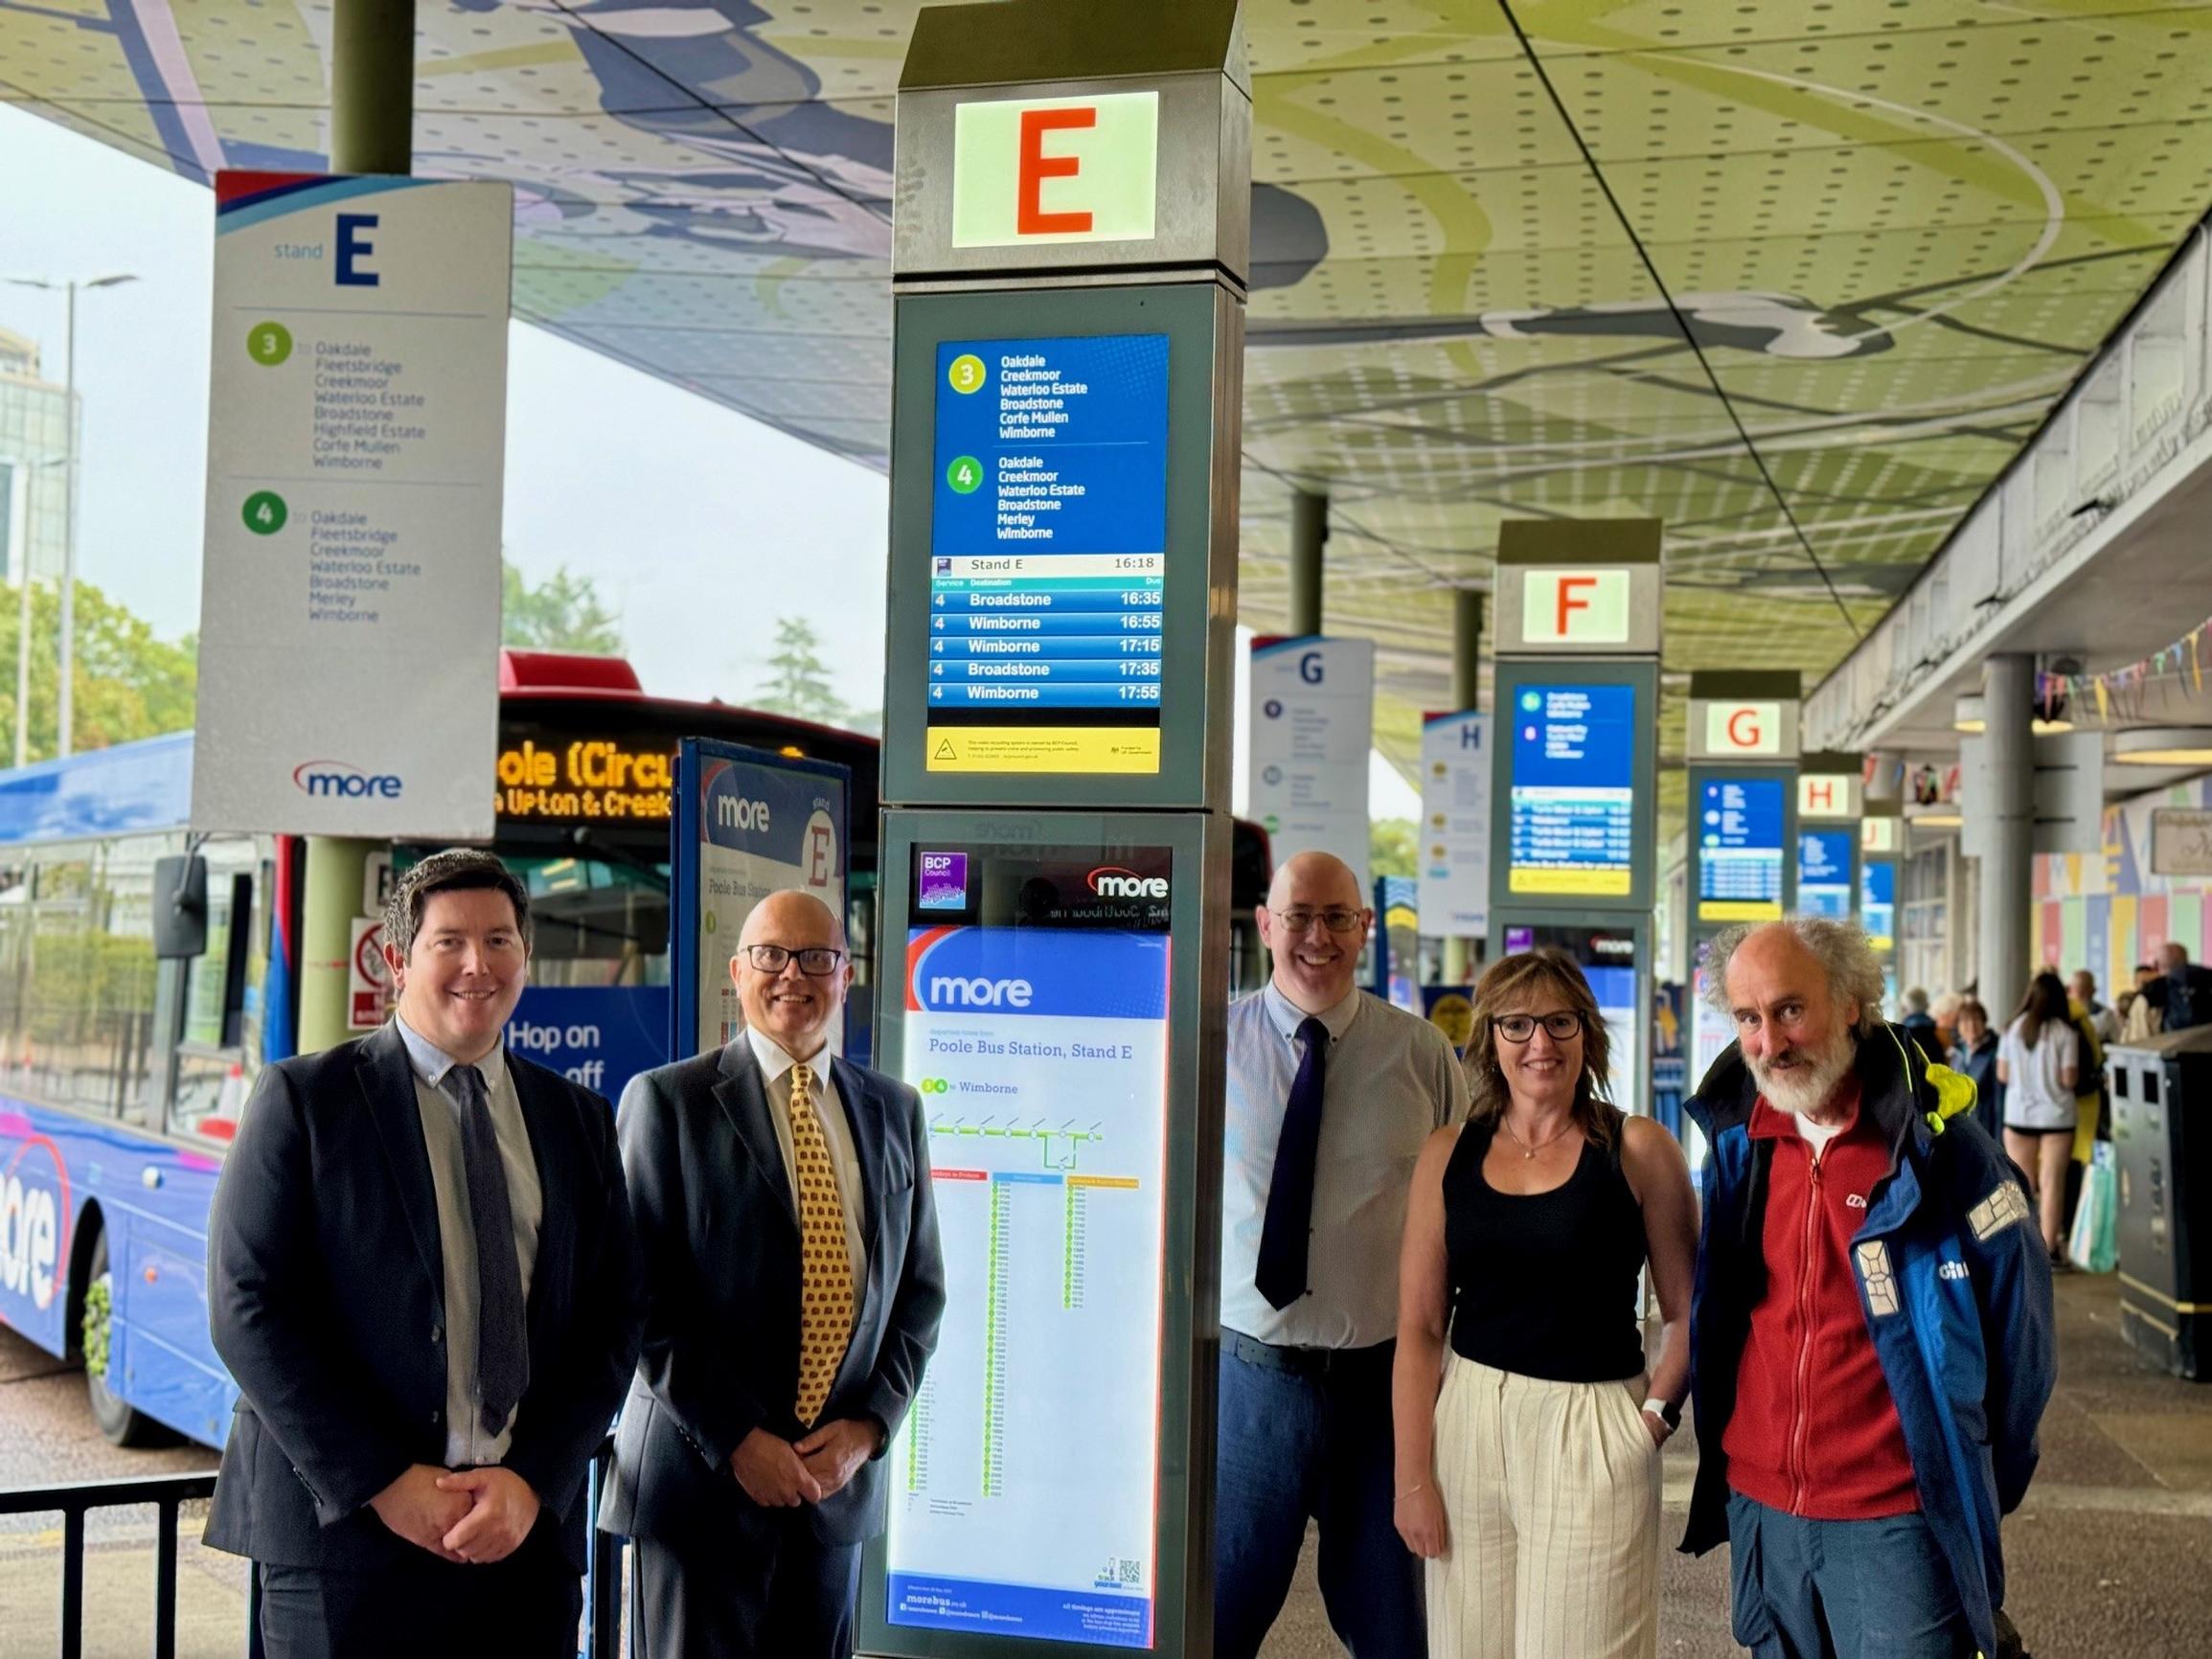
x=1798, y=279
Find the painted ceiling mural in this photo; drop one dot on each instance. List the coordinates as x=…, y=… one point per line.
x=1797, y=278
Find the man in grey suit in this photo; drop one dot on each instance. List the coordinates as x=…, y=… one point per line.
x=794, y=1288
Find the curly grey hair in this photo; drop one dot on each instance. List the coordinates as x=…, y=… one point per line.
x=1842, y=947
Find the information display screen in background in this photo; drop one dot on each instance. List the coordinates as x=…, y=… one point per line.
x=1739, y=849
x=1573, y=796
x=1454, y=835
x=749, y=824
x=1824, y=873
x=1878, y=902
x=1036, y=1027
x=1608, y=959
x=1048, y=555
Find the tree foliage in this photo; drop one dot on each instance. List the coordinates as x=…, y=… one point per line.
x=1393, y=847
x=562, y=613
x=126, y=683
x=797, y=680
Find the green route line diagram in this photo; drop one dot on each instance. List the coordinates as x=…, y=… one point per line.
x=1063, y=1156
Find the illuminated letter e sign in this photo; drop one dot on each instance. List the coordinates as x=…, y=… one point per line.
x=1056, y=170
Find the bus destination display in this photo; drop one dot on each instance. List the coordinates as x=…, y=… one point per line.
x=1036, y=1027
x=1048, y=555
x=1573, y=799
x=1824, y=874
x=1739, y=849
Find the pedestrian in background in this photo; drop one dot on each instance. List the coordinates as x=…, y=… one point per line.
x=2104, y=1022
x=2038, y=1062
x=1332, y=1095
x=1975, y=1057
x=1528, y=1451
x=1920, y=1024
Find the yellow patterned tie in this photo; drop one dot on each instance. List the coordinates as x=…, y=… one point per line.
x=824, y=1269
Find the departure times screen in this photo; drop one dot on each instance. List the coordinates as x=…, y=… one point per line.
x=1573, y=797
x=1878, y=902
x=1036, y=1029
x=1048, y=555
x=1739, y=849
x=1824, y=874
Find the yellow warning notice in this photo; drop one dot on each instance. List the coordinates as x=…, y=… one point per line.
x=1739, y=910
x=1044, y=749
x=1569, y=883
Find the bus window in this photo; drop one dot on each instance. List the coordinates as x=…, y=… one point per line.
x=595, y=925
x=221, y=1052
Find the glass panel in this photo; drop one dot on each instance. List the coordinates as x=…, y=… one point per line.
x=222, y=1050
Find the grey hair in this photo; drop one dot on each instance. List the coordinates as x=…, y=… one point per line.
x=1842, y=947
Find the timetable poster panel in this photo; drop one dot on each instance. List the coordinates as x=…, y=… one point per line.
x=1573, y=795
x=1739, y=849
x=1824, y=873
x=1048, y=555
x=1036, y=1027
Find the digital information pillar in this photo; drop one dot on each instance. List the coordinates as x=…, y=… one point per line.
x=1880, y=848
x=1070, y=235
x=1831, y=801
x=1742, y=823
x=1574, y=791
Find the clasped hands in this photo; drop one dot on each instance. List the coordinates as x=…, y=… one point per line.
x=471, y=1517
x=781, y=1474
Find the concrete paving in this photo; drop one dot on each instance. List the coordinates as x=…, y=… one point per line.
x=2108, y=1555
x=2108, y=1558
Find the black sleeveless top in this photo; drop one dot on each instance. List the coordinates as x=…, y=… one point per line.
x=1546, y=1285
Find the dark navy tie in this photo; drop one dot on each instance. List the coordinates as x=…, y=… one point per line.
x=502, y=1336
x=1289, y=1225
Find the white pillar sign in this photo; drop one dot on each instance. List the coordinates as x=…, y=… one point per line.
x=356, y=432
x=1454, y=900
x=1312, y=728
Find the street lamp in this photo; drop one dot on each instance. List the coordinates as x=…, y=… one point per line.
x=23, y=612
x=65, y=713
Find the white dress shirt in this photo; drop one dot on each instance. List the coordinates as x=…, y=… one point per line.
x=469, y=1437
x=1392, y=1078
x=830, y=1111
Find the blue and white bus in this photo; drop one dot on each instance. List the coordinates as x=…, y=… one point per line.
x=122, y=1074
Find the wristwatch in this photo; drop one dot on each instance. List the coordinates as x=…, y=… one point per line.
x=1666, y=1411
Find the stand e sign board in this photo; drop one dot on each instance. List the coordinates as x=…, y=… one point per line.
x=747, y=824
x=357, y=434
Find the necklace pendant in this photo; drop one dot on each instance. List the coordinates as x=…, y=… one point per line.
x=1527, y=1154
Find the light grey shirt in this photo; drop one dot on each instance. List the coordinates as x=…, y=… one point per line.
x=830, y=1112
x=1391, y=1080
x=469, y=1437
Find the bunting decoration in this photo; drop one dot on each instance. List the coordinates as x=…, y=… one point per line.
x=2121, y=689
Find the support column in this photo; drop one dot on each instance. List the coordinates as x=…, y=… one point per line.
x=371, y=130
x=2008, y=836
x=1467, y=607
x=1308, y=532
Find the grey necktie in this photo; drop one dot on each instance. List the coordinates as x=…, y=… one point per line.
x=502, y=1335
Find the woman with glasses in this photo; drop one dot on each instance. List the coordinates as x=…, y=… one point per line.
x=1528, y=1435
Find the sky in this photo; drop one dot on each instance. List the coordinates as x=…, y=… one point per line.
x=700, y=528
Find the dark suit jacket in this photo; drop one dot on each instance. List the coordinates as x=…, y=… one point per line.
x=326, y=1298
x=721, y=1338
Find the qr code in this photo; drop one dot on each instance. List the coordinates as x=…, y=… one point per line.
x=1132, y=1572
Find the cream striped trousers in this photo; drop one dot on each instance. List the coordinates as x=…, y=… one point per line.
x=1551, y=1494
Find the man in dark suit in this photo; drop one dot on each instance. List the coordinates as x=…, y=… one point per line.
x=794, y=1288
x=422, y=1272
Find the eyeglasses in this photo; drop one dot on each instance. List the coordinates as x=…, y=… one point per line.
x=1336, y=921
x=1561, y=1027
x=815, y=962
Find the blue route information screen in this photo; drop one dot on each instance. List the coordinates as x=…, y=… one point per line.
x=1878, y=902
x=1035, y=1026
x=1573, y=790
x=1824, y=873
x=1739, y=849
x=1048, y=555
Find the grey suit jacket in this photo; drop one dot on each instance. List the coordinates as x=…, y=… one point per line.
x=722, y=1244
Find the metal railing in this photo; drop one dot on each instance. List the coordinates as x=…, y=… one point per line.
x=77, y=1499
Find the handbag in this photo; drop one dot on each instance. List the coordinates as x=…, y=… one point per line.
x=2093, y=1244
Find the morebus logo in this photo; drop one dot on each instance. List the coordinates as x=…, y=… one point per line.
x=955, y=990
x=741, y=812
x=342, y=780
x=32, y=1223
x=1111, y=881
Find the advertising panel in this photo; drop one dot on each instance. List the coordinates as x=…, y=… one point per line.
x=356, y=432
x=1824, y=873
x=1573, y=796
x=1878, y=902
x=1455, y=901
x=748, y=823
x=1048, y=555
x=1739, y=849
x=1607, y=958
x=1036, y=1025
x=597, y=1036
x=1312, y=729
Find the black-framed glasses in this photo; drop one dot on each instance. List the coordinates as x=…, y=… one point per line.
x=1562, y=1026
x=815, y=962
x=1335, y=918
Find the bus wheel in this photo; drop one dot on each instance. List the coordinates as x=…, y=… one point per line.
x=123, y=1424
